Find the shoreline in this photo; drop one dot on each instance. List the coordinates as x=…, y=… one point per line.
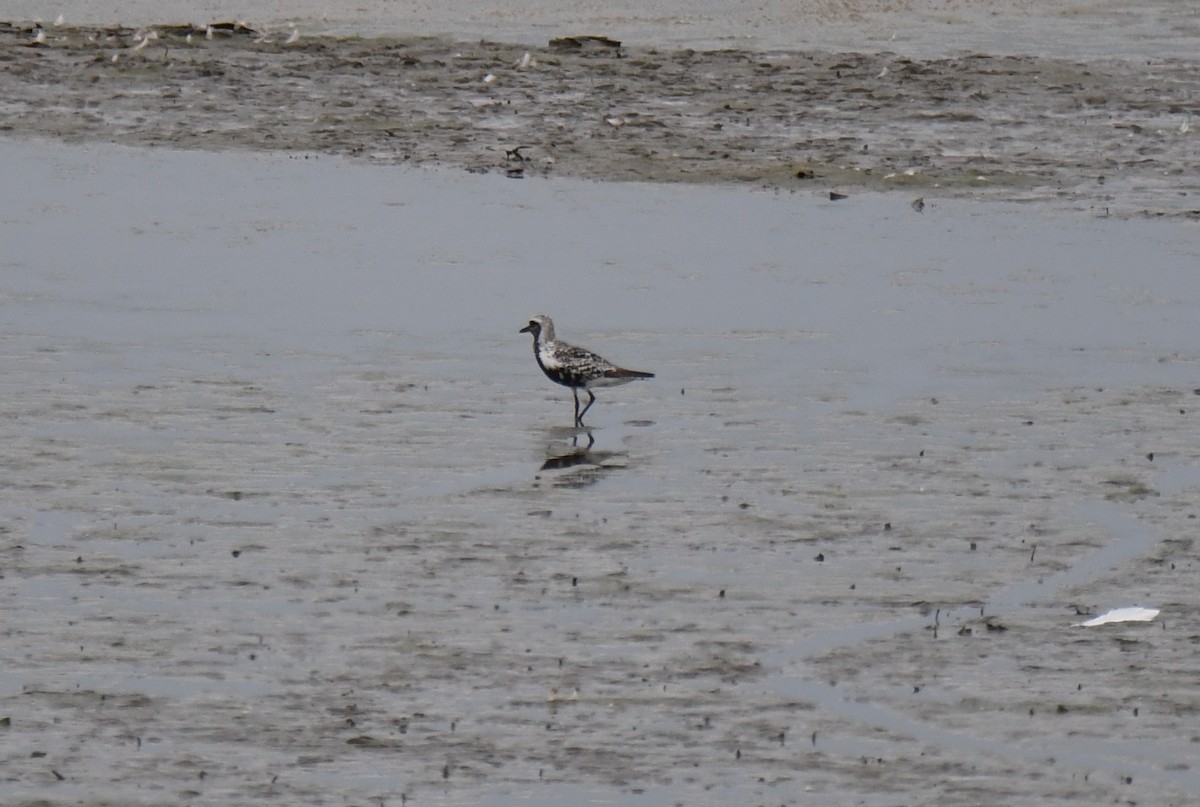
x=1079, y=135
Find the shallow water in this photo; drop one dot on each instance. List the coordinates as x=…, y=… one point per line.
x=1098, y=29
x=290, y=515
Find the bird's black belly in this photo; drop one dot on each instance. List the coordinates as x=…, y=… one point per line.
x=566, y=377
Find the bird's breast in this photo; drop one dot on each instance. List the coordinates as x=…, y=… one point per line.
x=549, y=360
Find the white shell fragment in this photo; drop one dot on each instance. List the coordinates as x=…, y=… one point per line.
x=1132, y=614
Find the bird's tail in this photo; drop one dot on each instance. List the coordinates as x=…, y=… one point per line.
x=621, y=372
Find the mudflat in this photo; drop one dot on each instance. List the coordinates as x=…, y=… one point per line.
x=1112, y=136
x=290, y=515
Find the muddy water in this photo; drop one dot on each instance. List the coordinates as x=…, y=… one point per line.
x=1109, y=132
x=290, y=516
x=1061, y=28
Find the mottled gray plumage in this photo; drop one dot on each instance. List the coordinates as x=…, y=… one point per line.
x=573, y=366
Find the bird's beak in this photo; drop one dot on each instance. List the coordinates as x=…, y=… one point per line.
x=526, y=329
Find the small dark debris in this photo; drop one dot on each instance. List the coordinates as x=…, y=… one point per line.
x=569, y=43
x=834, y=196
x=820, y=558
x=229, y=28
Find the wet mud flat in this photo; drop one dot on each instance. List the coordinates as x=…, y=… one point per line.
x=288, y=514
x=1111, y=136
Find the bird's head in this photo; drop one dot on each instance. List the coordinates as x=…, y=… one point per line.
x=541, y=327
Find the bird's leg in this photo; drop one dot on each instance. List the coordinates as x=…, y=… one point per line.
x=591, y=400
x=575, y=392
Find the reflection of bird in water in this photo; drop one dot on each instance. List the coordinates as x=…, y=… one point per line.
x=573, y=366
x=579, y=466
x=576, y=456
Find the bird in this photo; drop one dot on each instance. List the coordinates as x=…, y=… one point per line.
x=573, y=366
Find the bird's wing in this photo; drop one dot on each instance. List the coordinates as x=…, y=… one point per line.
x=578, y=359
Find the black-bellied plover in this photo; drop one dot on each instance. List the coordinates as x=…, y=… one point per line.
x=573, y=366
